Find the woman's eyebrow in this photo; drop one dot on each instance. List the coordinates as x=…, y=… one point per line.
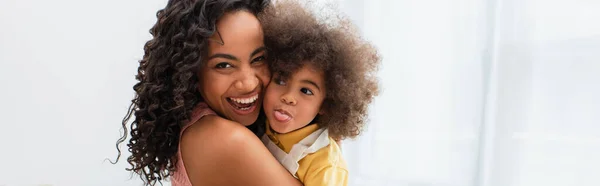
x=221, y=55
x=258, y=50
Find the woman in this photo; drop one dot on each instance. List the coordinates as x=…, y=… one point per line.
x=203, y=74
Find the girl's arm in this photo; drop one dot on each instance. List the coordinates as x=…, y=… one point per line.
x=217, y=151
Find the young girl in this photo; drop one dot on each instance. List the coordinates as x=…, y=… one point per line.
x=323, y=81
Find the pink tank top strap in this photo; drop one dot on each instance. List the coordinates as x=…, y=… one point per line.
x=199, y=111
x=180, y=177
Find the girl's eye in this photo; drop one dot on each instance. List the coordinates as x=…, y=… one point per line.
x=306, y=91
x=279, y=81
x=223, y=65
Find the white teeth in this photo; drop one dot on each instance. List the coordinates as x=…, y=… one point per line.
x=246, y=100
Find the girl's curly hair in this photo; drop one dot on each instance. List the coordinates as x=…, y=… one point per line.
x=296, y=37
x=167, y=89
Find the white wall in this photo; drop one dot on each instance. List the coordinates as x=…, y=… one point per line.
x=482, y=93
x=66, y=75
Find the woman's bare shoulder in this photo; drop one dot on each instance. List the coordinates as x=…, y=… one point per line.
x=216, y=134
x=217, y=151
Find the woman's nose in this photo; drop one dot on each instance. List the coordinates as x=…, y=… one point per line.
x=248, y=81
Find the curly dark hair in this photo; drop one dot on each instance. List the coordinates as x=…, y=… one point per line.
x=167, y=89
x=295, y=37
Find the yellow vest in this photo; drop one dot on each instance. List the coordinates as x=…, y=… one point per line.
x=323, y=167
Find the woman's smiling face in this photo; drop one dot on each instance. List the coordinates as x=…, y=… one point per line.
x=235, y=72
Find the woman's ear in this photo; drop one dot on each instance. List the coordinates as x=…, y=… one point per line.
x=321, y=111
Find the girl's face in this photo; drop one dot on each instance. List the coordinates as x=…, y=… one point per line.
x=235, y=72
x=295, y=102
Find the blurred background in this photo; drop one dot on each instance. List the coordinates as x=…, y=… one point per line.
x=475, y=92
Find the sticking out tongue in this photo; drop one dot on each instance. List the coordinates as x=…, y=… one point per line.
x=280, y=116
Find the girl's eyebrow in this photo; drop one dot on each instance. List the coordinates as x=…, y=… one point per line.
x=311, y=82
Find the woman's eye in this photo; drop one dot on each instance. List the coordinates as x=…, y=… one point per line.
x=223, y=65
x=258, y=59
x=306, y=91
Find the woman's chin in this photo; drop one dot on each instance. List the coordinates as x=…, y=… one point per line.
x=247, y=119
x=245, y=116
